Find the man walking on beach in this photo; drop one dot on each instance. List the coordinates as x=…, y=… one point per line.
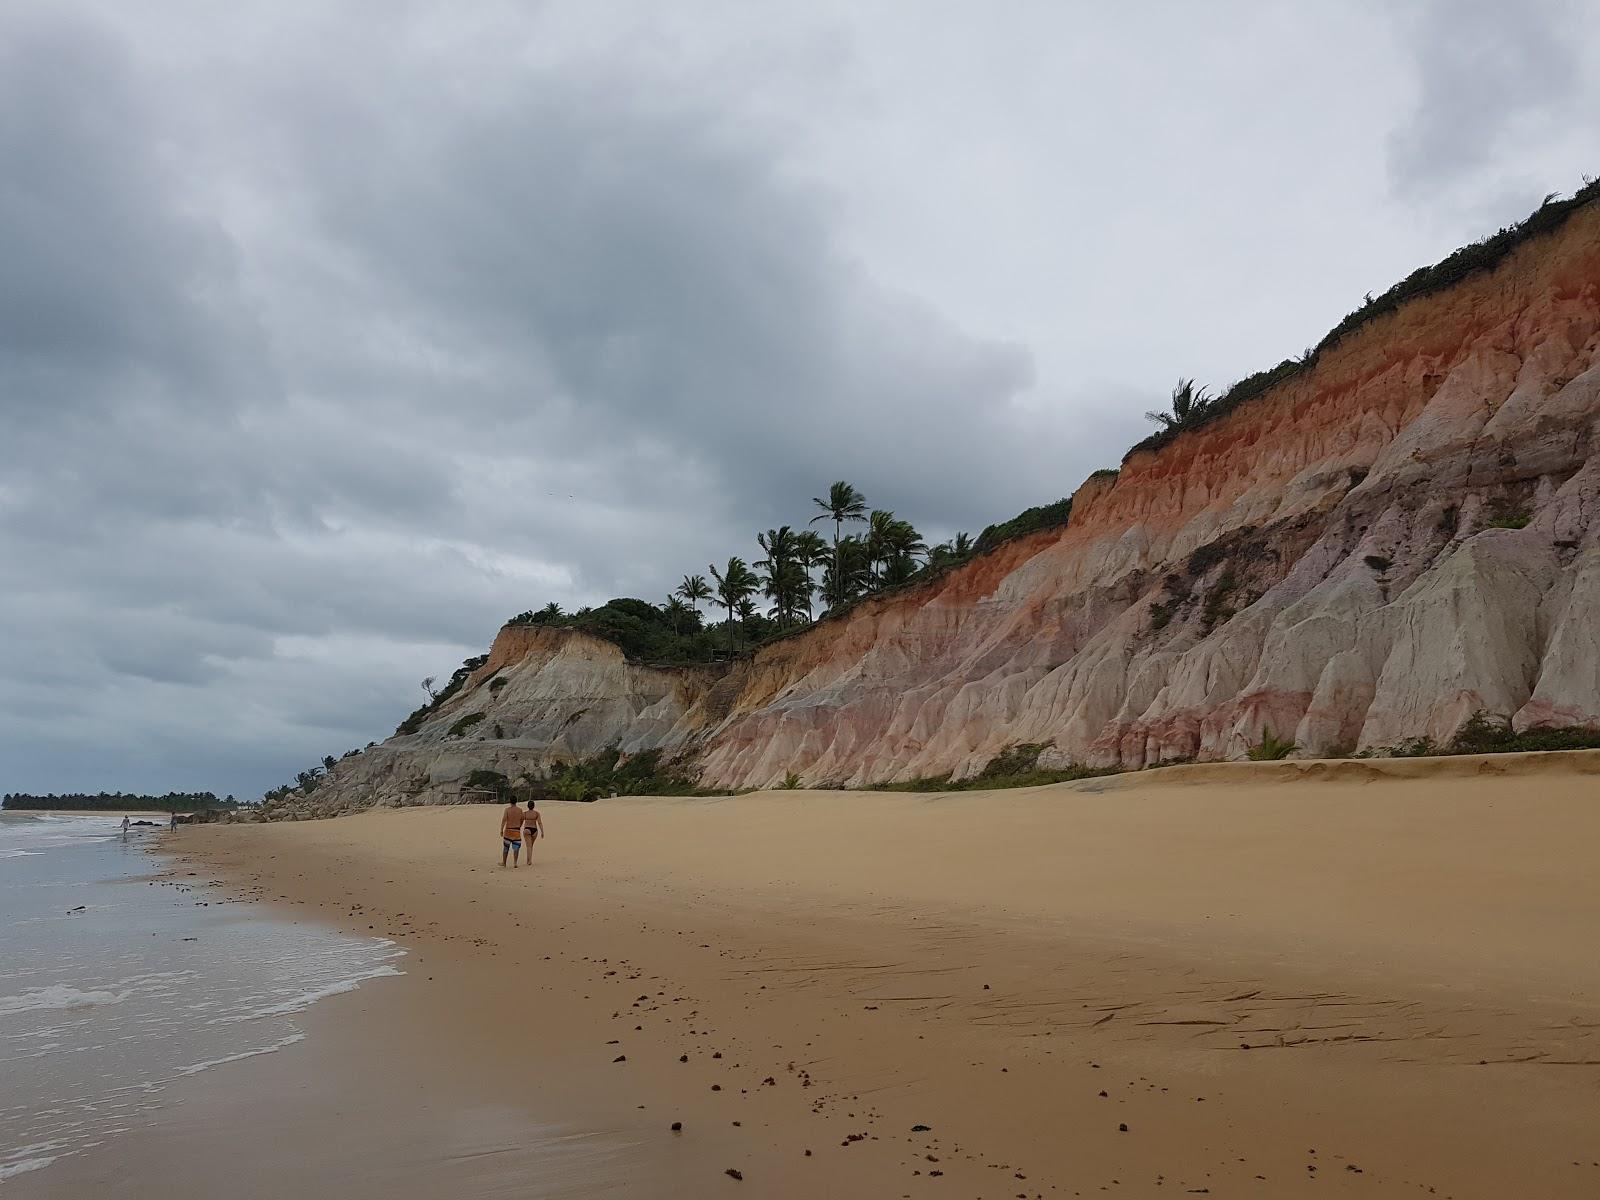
x=510, y=833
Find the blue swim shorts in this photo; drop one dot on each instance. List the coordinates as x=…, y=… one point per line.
x=511, y=843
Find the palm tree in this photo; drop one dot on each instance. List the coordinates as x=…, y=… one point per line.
x=901, y=544
x=676, y=610
x=843, y=504
x=1189, y=404
x=779, y=544
x=852, y=575
x=779, y=581
x=809, y=551
x=788, y=587
x=880, y=525
x=954, y=550
x=694, y=589
x=734, y=584
x=549, y=614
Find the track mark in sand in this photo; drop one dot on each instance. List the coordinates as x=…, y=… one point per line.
x=1011, y=1004
x=806, y=968
x=1195, y=1021
x=1297, y=1043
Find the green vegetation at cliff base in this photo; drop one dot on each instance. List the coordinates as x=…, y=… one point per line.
x=607, y=773
x=1016, y=766
x=650, y=773
x=1486, y=734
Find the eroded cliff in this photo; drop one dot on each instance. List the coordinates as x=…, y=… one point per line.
x=1373, y=550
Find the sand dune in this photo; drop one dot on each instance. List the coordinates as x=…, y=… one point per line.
x=1283, y=979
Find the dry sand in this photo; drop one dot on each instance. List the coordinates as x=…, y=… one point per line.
x=1269, y=981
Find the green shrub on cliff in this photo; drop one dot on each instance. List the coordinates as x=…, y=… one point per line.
x=465, y=723
x=1270, y=748
x=641, y=630
x=573, y=787
x=435, y=698
x=1486, y=734
x=1044, y=516
x=647, y=773
x=484, y=780
x=1511, y=520
x=1015, y=766
x=1014, y=760
x=1217, y=610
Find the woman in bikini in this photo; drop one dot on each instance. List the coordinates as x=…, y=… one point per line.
x=532, y=827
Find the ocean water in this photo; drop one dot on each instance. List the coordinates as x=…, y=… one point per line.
x=113, y=987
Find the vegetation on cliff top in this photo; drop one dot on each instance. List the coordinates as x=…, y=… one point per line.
x=437, y=696
x=1482, y=255
x=778, y=593
x=1043, y=516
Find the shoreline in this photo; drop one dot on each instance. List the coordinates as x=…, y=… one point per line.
x=1391, y=973
x=118, y=987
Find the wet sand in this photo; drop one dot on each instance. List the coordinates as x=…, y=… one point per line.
x=1266, y=980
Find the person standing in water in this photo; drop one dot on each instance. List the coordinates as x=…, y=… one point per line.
x=125, y=824
x=532, y=827
x=510, y=833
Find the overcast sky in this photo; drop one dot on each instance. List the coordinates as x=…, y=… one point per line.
x=331, y=335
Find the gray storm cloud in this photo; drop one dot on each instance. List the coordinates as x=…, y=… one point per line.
x=1486, y=74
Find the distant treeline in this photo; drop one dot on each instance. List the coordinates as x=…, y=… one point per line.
x=117, y=801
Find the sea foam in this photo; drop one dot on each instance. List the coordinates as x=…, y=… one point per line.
x=57, y=996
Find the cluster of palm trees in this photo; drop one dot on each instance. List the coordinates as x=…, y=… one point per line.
x=799, y=568
x=887, y=552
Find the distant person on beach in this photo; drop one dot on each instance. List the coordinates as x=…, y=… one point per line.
x=532, y=827
x=510, y=833
x=174, y=822
x=125, y=824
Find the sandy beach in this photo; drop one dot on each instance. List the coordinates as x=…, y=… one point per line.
x=1269, y=980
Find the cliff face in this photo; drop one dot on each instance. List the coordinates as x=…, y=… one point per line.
x=1372, y=551
x=543, y=696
